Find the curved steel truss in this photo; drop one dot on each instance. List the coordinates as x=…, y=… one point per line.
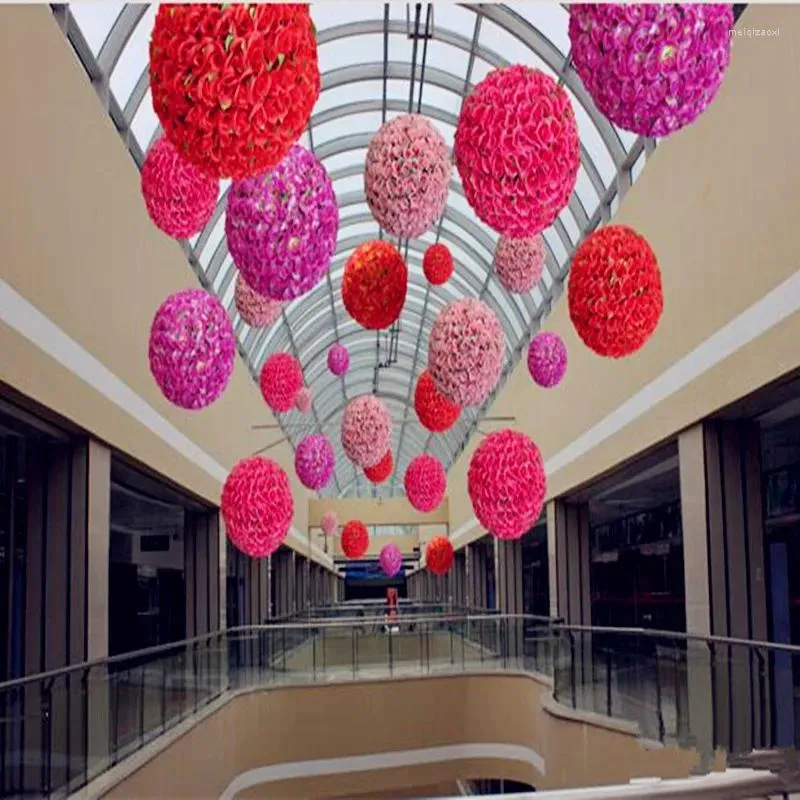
x=379, y=61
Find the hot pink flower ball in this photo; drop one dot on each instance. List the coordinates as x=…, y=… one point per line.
x=651, y=69
x=338, y=360
x=465, y=352
x=330, y=523
x=547, y=359
x=180, y=199
x=507, y=483
x=366, y=430
x=255, y=309
x=257, y=506
x=407, y=175
x=390, y=559
x=192, y=348
x=426, y=483
x=519, y=262
x=517, y=150
x=314, y=461
x=281, y=380
x=303, y=401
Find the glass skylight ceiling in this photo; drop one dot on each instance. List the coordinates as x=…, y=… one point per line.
x=377, y=62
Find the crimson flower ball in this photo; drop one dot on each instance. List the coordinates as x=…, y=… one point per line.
x=653, y=68
x=354, y=539
x=519, y=263
x=257, y=506
x=517, y=150
x=255, y=309
x=390, y=559
x=192, y=348
x=465, y=352
x=366, y=430
x=437, y=264
x=435, y=411
x=614, y=293
x=330, y=523
x=425, y=482
x=338, y=360
x=179, y=197
x=439, y=555
x=547, y=359
x=406, y=176
x=233, y=84
x=281, y=380
x=375, y=284
x=382, y=470
x=507, y=484
x=314, y=461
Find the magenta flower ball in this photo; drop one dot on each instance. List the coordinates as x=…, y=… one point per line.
x=338, y=360
x=465, y=352
x=255, y=309
x=282, y=226
x=330, y=523
x=651, y=69
x=547, y=359
x=366, y=430
x=390, y=559
x=314, y=461
x=407, y=175
x=192, y=348
x=519, y=263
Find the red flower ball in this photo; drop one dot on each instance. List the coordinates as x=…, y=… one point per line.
x=375, y=284
x=281, y=381
x=614, y=294
x=234, y=84
x=354, y=539
x=180, y=199
x=426, y=483
x=517, y=150
x=257, y=506
x=437, y=264
x=434, y=410
x=382, y=470
x=507, y=484
x=439, y=555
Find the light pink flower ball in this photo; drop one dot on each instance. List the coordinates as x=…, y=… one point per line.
x=465, y=352
x=330, y=523
x=425, y=482
x=255, y=309
x=407, y=175
x=303, y=401
x=366, y=430
x=519, y=262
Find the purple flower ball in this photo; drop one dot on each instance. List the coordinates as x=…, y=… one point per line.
x=338, y=360
x=314, y=461
x=282, y=226
x=547, y=359
x=390, y=560
x=192, y=348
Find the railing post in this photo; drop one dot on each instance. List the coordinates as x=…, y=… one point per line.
x=572, y=671
x=391, y=650
x=659, y=701
x=608, y=681
x=46, y=712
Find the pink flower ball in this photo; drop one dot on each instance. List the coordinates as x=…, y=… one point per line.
x=192, y=348
x=338, y=360
x=465, y=352
x=255, y=309
x=517, y=150
x=257, y=506
x=366, y=430
x=390, y=559
x=303, y=401
x=547, y=359
x=407, y=175
x=314, y=461
x=507, y=483
x=282, y=226
x=651, y=69
x=426, y=483
x=519, y=262
x=330, y=523
x=281, y=380
x=179, y=197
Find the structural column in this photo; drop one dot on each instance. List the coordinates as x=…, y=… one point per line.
x=509, y=592
x=569, y=561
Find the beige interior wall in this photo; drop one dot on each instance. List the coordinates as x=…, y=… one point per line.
x=718, y=202
x=376, y=543
x=79, y=246
x=383, y=511
x=336, y=721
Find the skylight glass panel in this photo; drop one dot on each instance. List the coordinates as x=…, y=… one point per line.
x=638, y=165
x=585, y=190
x=447, y=58
x=350, y=50
x=145, y=122
x=550, y=19
x=95, y=21
x=500, y=41
x=556, y=245
x=367, y=122
x=593, y=141
x=134, y=58
x=568, y=220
